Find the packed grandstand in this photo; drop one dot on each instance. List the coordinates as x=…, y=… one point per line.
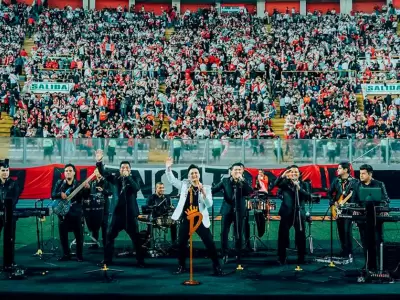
x=199, y=75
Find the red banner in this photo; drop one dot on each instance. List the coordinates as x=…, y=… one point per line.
x=38, y=182
x=320, y=176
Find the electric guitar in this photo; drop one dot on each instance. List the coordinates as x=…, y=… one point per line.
x=61, y=207
x=335, y=208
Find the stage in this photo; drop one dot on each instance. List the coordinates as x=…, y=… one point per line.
x=262, y=276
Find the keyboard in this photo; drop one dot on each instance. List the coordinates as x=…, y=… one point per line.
x=30, y=212
x=364, y=218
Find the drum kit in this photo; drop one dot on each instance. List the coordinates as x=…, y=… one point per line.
x=93, y=212
x=159, y=219
x=261, y=206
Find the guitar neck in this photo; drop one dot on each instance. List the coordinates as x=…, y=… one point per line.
x=343, y=201
x=80, y=187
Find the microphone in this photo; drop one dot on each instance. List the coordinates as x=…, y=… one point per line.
x=295, y=182
x=123, y=183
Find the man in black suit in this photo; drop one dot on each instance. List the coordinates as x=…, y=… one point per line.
x=292, y=212
x=233, y=208
x=342, y=186
x=9, y=196
x=126, y=210
x=73, y=220
x=369, y=240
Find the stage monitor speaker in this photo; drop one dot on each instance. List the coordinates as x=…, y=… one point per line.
x=391, y=257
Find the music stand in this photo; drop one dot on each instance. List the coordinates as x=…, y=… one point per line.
x=370, y=197
x=370, y=194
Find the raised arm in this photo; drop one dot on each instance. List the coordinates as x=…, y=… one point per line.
x=100, y=167
x=281, y=181
x=170, y=176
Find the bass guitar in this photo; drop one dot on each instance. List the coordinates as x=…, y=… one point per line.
x=61, y=207
x=335, y=208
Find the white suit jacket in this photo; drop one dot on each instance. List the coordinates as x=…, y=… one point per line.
x=183, y=186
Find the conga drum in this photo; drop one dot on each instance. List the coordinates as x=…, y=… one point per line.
x=93, y=211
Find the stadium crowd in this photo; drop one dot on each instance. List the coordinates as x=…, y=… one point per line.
x=217, y=76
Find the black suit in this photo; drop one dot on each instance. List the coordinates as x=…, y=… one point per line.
x=371, y=234
x=73, y=220
x=228, y=210
x=125, y=213
x=9, y=196
x=292, y=214
x=161, y=210
x=338, y=188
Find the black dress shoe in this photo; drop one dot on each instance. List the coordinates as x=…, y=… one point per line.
x=141, y=264
x=64, y=258
x=218, y=271
x=181, y=269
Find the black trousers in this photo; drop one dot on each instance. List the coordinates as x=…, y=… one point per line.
x=119, y=222
x=247, y=231
x=300, y=236
x=205, y=235
x=226, y=223
x=104, y=228
x=8, y=245
x=345, y=230
x=371, y=238
x=14, y=227
x=71, y=223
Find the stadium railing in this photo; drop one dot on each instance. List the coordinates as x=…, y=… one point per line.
x=252, y=152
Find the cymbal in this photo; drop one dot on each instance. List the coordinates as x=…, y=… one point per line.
x=262, y=193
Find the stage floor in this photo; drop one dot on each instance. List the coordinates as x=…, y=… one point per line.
x=261, y=276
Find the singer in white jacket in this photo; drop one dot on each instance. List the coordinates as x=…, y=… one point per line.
x=192, y=192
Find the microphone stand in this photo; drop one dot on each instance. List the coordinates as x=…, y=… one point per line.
x=297, y=207
x=39, y=234
x=125, y=249
x=331, y=265
x=104, y=269
x=239, y=222
x=297, y=213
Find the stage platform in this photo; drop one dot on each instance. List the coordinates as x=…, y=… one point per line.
x=262, y=276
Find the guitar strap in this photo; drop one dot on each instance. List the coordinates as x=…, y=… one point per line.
x=345, y=184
